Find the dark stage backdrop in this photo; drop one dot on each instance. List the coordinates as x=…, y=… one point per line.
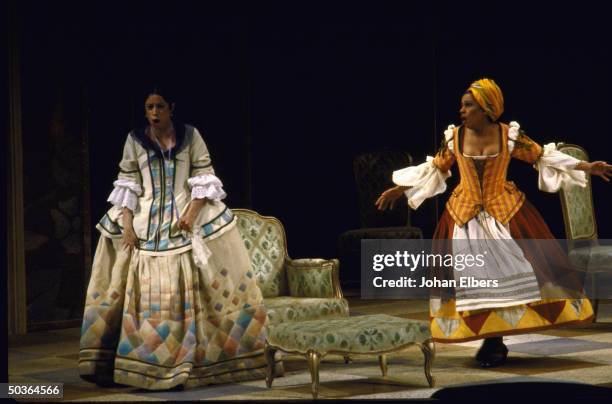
x=55, y=176
x=286, y=96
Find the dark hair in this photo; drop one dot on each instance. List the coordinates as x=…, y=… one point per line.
x=163, y=91
x=140, y=95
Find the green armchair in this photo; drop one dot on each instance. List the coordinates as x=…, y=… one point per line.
x=585, y=250
x=293, y=289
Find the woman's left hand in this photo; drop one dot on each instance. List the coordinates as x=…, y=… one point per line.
x=600, y=168
x=186, y=221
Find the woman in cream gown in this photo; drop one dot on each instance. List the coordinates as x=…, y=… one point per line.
x=172, y=299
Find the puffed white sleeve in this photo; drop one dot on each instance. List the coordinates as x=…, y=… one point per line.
x=128, y=186
x=429, y=178
x=202, y=179
x=425, y=180
x=557, y=170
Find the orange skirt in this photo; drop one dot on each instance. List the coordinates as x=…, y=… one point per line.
x=449, y=325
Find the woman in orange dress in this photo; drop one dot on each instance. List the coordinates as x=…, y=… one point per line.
x=485, y=206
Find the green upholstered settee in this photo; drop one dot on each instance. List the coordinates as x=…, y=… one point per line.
x=293, y=289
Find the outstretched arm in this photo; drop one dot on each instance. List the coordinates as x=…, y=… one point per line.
x=387, y=199
x=424, y=180
x=556, y=169
x=599, y=168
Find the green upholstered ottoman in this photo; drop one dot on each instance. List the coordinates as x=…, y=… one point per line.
x=372, y=334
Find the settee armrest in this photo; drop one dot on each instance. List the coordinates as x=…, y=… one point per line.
x=313, y=277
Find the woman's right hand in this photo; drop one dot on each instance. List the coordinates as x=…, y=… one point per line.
x=129, y=238
x=388, y=198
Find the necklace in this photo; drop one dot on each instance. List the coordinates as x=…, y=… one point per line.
x=168, y=163
x=169, y=133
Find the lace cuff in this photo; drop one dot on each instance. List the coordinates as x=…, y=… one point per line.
x=125, y=194
x=206, y=186
x=557, y=170
x=424, y=180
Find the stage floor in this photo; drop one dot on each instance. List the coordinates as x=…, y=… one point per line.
x=572, y=354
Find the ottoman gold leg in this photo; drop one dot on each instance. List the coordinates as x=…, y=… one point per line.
x=429, y=350
x=314, y=358
x=382, y=361
x=269, y=354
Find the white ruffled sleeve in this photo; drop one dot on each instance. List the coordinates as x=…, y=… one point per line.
x=513, y=132
x=203, y=181
x=425, y=180
x=557, y=169
x=128, y=186
x=448, y=137
x=125, y=194
x=206, y=186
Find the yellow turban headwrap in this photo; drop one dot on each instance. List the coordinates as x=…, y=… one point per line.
x=488, y=95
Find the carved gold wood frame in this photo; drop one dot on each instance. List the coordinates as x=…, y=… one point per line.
x=314, y=359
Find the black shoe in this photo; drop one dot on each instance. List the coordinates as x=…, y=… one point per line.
x=492, y=353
